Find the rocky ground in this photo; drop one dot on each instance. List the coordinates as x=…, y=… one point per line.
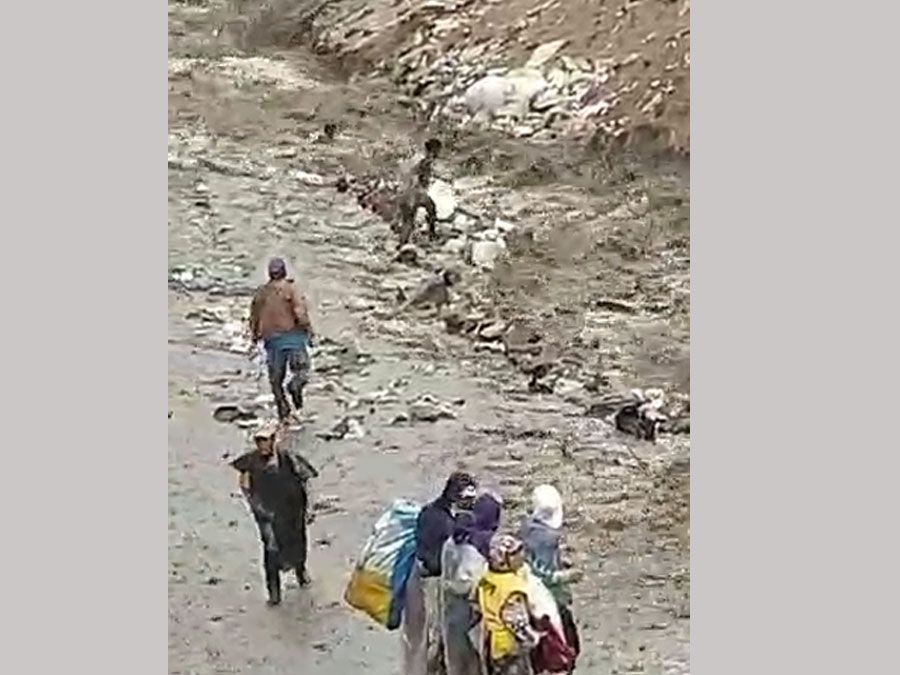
x=575, y=289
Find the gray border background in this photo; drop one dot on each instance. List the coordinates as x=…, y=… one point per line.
x=84, y=367
x=794, y=337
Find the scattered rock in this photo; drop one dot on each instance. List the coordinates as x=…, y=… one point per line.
x=613, y=525
x=408, y=255
x=429, y=409
x=504, y=225
x=492, y=331
x=455, y=246
x=679, y=426
x=544, y=53
x=399, y=419
x=615, y=305
x=571, y=391
x=310, y=178
x=680, y=466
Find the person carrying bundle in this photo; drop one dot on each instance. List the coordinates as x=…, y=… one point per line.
x=423, y=652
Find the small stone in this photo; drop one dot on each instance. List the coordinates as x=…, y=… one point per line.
x=399, y=419
x=309, y=178
x=407, y=255
x=429, y=409
x=545, y=52
x=493, y=331
x=455, y=246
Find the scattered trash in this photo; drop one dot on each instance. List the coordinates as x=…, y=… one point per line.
x=615, y=305
x=484, y=254
x=441, y=194
x=232, y=412
x=350, y=428
x=327, y=505
x=207, y=315
x=642, y=417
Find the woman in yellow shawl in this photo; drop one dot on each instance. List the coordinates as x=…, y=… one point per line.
x=503, y=602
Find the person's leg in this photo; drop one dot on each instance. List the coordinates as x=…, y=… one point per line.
x=407, y=224
x=271, y=562
x=272, y=568
x=303, y=547
x=426, y=202
x=277, y=363
x=298, y=361
x=570, y=633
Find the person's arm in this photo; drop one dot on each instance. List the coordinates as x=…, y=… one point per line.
x=242, y=466
x=516, y=617
x=244, y=484
x=430, y=555
x=429, y=541
x=255, y=306
x=568, y=576
x=301, y=311
x=563, y=574
x=302, y=468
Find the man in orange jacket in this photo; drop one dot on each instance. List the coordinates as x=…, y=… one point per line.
x=279, y=316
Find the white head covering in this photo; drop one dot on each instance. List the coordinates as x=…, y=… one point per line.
x=547, y=506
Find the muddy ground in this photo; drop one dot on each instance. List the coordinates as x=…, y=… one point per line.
x=596, y=278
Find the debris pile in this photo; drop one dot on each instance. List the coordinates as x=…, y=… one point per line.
x=620, y=67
